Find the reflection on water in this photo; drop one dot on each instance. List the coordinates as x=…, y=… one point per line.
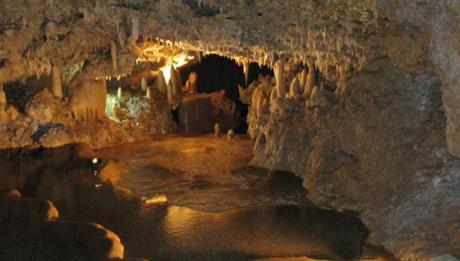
x=203, y=173
x=178, y=233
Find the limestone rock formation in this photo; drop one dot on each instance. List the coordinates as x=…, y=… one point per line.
x=381, y=137
x=88, y=98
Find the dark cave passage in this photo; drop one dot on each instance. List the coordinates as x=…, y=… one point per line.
x=216, y=73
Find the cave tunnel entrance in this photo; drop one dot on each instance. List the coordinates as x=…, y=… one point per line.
x=217, y=73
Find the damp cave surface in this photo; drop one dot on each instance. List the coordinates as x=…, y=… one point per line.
x=246, y=214
x=191, y=195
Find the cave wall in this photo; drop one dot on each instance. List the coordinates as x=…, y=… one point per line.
x=382, y=146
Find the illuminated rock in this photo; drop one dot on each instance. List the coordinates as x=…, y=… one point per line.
x=3, y=101
x=294, y=89
x=88, y=99
x=191, y=84
x=230, y=135
x=310, y=80
x=114, y=55
x=57, y=82
x=217, y=130
x=280, y=79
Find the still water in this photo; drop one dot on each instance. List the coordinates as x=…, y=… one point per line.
x=243, y=213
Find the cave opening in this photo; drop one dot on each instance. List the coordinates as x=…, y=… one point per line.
x=208, y=90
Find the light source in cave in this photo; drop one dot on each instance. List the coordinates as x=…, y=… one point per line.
x=176, y=62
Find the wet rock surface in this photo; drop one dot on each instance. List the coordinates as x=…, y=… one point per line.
x=379, y=137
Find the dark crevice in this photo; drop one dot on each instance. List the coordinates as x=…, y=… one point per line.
x=202, y=9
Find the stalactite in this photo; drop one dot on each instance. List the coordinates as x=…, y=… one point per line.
x=135, y=30
x=114, y=54
x=246, y=65
x=57, y=82
x=280, y=80
x=88, y=99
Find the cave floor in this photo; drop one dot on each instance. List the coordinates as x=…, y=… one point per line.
x=204, y=173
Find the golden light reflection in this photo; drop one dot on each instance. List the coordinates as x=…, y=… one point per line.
x=176, y=61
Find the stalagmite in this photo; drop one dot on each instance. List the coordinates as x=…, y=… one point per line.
x=302, y=77
x=57, y=82
x=280, y=80
x=246, y=65
x=217, y=130
x=3, y=101
x=114, y=54
x=117, y=111
x=273, y=96
x=178, y=79
x=174, y=94
x=260, y=107
x=148, y=94
x=230, y=135
x=191, y=84
x=143, y=84
x=294, y=88
x=314, y=92
x=119, y=93
x=310, y=81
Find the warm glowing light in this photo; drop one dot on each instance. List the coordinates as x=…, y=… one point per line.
x=176, y=61
x=95, y=161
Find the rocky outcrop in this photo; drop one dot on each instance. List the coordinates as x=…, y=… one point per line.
x=378, y=150
x=199, y=113
x=33, y=224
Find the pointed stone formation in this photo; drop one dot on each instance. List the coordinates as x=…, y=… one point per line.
x=174, y=93
x=148, y=95
x=273, y=95
x=260, y=107
x=57, y=82
x=119, y=93
x=294, y=89
x=160, y=83
x=114, y=54
x=217, y=130
x=280, y=80
x=143, y=84
x=302, y=77
x=135, y=30
x=314, y=92
x=246, y=65
x=3, y=100
x=310, y=81
x=230, y=135
x=191, y=84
